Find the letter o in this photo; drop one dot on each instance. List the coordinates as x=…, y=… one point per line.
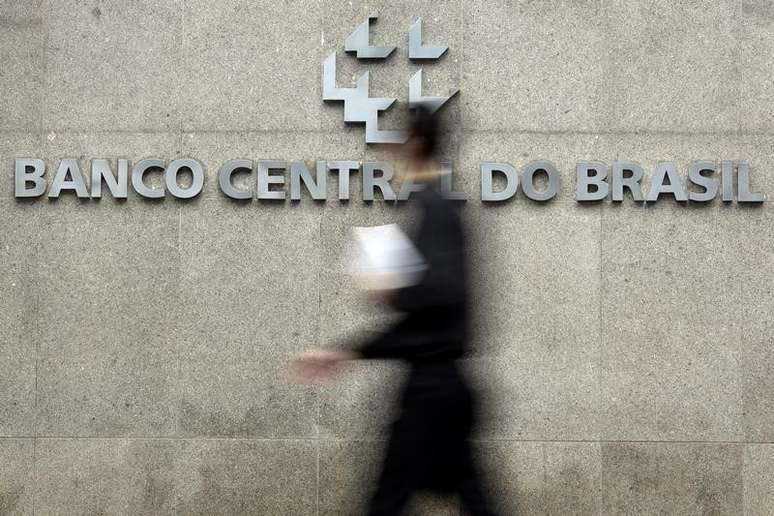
x=528, y=176
x=170, y=178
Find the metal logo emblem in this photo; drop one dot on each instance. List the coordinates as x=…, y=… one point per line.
x=359, y=106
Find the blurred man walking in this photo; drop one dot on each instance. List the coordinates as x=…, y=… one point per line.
x=429, y=446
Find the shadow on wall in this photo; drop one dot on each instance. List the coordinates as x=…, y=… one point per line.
x=197, y=420
x=105, y=476
x=521, y=478
x=9, y=501
x=519, y=484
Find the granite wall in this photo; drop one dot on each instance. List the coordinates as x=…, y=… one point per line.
x=625, y=351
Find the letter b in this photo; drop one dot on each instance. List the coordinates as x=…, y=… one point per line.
x=25, y=176
x=586, y=180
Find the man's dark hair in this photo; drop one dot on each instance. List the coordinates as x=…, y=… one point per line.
x=425, y=128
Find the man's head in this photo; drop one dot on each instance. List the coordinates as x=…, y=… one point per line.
x=423, y=136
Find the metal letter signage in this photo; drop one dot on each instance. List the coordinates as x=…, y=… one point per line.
x=359, y=42
x=293, y=179
x=359, y=106
x=416, y=49
x=279, y=180
x=416, y=98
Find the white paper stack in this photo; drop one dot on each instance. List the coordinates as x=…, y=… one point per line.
x=385, y=258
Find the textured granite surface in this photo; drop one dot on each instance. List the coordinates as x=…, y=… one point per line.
x=624, y=352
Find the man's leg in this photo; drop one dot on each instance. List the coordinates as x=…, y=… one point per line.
x=472, y=496
x=405, y=468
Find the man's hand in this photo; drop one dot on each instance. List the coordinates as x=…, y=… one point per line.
x=320, y=366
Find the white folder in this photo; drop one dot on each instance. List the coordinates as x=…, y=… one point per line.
x=383, y=257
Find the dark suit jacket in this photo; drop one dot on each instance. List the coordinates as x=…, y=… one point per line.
x=434, y=324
